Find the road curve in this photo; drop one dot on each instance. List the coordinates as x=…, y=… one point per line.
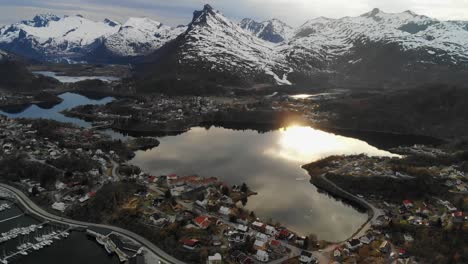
x=374, y=212
x=34, y=209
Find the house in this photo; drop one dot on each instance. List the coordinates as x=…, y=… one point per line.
x=307, y=257
x=59, y=207
x=270, y=230
x=202, y=222
x=459, y=217
x=284, y=234
x=226, y=200
x=242, y=228
x=277, y=247
x=171, y=177
x=408, y=238
x=402, y=253
x=261, y=236
x=262, y=256
x=353, y=244
x=300, y=240
x=384, y=247
x=408, y=204
x=215, y=259
x=202, y=204
x=260, y=245
x=237, y=237
x=258, y=226
x=224, y=210
x=367, y=239
x=190, y=244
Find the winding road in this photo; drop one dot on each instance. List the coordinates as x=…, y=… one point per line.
x=36, y=210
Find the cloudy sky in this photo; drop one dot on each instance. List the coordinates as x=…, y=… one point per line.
x=175, y=12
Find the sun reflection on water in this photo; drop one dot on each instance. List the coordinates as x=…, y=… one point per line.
x=306, y=144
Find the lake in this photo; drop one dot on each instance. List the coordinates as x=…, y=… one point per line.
x=73, y=79
x=70, y=100
x=270, y=163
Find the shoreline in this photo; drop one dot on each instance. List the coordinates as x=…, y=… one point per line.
x=321, y=182
x=34, y=209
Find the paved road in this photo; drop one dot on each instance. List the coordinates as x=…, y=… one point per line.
x=324, y=255
x=115, y=170
x=374, y=211
x=34, y=209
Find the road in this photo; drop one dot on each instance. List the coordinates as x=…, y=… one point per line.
x=34, y=209
x=374, y=211
x=115, y=170
x=324, y=255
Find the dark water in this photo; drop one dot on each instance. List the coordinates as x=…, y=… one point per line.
x=270, y=163
x=73, y=79
x=70, y=100
x=78, y=248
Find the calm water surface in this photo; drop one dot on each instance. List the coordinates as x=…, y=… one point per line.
x=270, y=164
x=73, y=79
x=78, y=248
x=70, y=100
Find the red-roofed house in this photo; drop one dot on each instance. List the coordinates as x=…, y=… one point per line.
x=202, y=222
x=190, y=244
x=284, y=234
x=151, y=178
x=408, y=203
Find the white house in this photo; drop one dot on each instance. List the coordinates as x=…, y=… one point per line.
x=224, y=210
x=270, y=230
x=262, y=256
x=59, y=207
x=215, y=259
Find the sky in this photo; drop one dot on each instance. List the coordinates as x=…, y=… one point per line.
x=177, y=12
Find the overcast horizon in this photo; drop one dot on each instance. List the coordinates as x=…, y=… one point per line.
x=293, y=12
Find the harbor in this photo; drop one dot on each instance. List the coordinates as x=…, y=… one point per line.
x=26, y=238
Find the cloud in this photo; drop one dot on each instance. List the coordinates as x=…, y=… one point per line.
x=177, y=12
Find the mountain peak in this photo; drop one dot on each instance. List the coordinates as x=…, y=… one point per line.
x=110, y=22
x=372, y=13
x=41, y=20
x=200, y=17
x=410, y=13
x=207, y=7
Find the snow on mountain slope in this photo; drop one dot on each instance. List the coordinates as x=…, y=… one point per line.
x=325, y=39
x=219, y=45
x=57, y=36
x=3, y=55
x=141, y=36
x=273, y=30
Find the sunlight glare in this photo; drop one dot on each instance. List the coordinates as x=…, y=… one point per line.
x=306, y=144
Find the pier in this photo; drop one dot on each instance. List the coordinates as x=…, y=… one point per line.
x=11, y=218
x=42, y=241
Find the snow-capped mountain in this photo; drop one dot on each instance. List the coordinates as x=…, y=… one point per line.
x=273, y=30
x=141, y=36
x=214, y=44
x=378, y=42
x=380, y=46
x=48, y=37
x=3, y=55
x=51, y=38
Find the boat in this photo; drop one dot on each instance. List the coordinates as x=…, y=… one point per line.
x=108, y=249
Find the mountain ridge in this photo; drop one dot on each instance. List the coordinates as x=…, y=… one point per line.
x=377, y=46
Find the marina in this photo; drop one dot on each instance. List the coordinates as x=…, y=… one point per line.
x=26, y=239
